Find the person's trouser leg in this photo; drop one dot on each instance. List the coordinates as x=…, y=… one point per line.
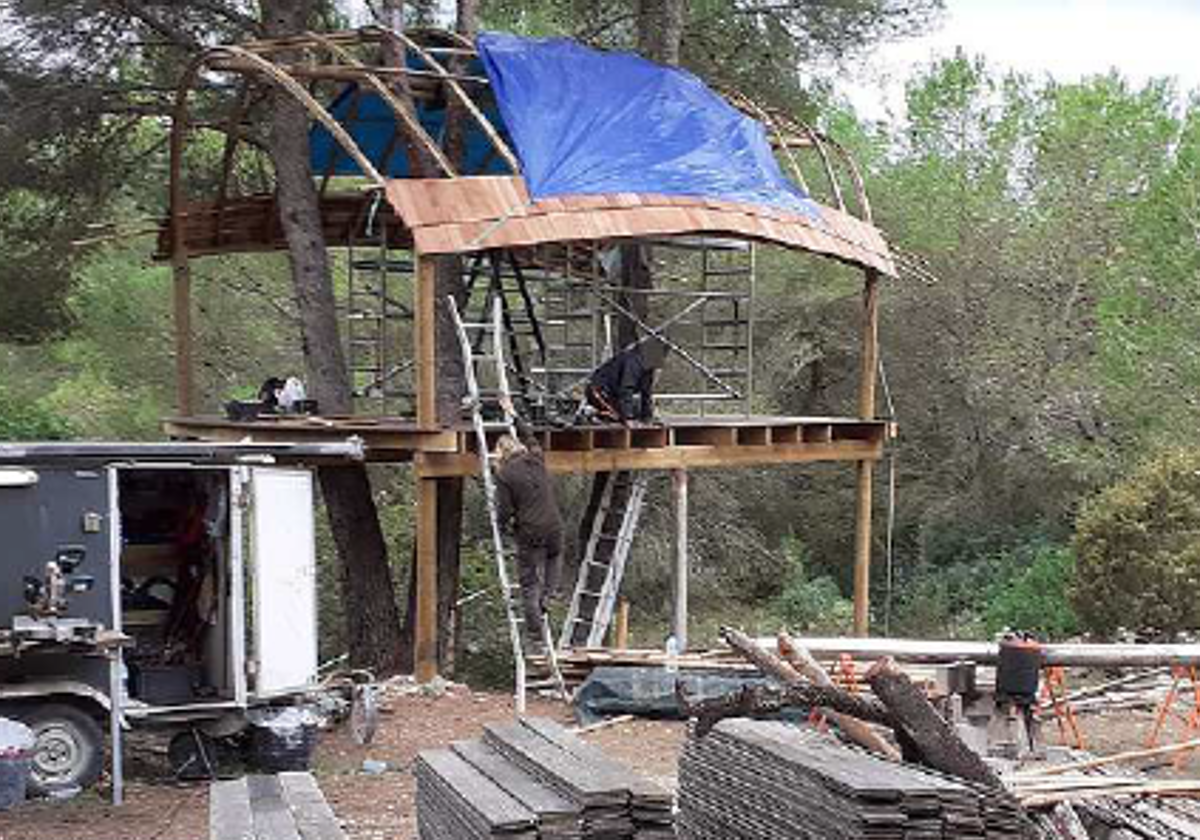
x=551, y=570
x=530, y=560
x=646, y=395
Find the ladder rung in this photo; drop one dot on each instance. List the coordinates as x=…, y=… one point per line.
x=391, y=266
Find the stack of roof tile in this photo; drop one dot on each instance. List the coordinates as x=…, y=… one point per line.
x=534, y=778
x=761, y=780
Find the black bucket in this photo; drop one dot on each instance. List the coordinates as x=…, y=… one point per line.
x=1019, y=671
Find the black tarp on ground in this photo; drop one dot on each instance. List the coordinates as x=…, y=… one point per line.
x=650, y=692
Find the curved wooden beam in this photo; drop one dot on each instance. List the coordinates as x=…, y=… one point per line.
x=448, y=79
x=415, y=129
x=281, y=78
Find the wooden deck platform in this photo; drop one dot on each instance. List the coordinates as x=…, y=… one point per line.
x=676, y=442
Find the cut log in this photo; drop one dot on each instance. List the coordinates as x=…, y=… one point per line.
x=760, y=701
x=767, y=662
x=937, y=742
x=802, y=661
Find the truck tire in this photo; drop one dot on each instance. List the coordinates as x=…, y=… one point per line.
x=69, y=750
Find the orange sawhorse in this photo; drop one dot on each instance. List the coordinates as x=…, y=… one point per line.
x=1054, y=691
x=1181, y=675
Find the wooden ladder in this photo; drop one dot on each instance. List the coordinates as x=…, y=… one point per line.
x=503, y=556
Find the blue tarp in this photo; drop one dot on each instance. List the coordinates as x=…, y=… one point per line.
x=371, y=123
x=590, y=122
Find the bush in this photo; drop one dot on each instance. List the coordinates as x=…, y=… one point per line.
x=1032, y=593
x=1137, y=549
x=28, y=420
x=811, y=604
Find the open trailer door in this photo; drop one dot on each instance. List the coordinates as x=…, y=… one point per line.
x=284, y=588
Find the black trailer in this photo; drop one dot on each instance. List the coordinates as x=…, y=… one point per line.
x=150, y=584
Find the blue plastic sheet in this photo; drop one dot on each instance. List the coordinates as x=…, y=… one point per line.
x=589, y=122
x=372, y=124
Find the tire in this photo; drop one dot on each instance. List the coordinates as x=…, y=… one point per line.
x=68, y=752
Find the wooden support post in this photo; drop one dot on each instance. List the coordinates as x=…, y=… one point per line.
x=425, y=338
x=866, y=410
x=679, y=495
x=184, y=387
x=425, y=641
x=621, y=633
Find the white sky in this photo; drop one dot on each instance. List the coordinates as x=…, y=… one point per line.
x=1066, y=39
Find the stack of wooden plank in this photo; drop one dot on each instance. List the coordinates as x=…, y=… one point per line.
x=534, y=778
x=455, y=800
x=748, y=780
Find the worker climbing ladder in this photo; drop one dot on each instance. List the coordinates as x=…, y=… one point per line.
x=603, y=566
x=510, y=591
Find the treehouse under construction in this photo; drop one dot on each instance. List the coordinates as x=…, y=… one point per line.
x=587, y=202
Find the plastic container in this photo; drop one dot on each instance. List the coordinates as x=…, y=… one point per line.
x=1019, y=670
x=16, y=754
x=282, y=739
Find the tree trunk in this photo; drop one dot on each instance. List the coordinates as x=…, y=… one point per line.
x=939, y=746
x=660, y=29
x=368, y=596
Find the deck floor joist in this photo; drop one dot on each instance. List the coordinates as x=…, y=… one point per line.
x=676, y=442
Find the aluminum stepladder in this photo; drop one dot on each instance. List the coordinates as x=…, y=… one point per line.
x=603, y=566
x=510, y=592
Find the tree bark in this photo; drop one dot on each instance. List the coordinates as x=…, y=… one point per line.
x=808, y=672
x=660, y=29
x=939, y=746
x=760, y=701
x=368, y=596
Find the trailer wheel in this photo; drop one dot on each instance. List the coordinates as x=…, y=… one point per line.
x=69, y=750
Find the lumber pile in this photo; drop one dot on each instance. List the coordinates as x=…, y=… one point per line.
x=577, y=664
x=749, y=779
x=1097, y=802
x=534, y=778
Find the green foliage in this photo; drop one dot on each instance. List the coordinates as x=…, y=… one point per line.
x=811, y=603
x=1138, y=550
x=1032, y=593
x=27, y=420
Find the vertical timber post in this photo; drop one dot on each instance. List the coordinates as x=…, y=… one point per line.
x=679, y=495
x=425, y=338
x=184, y=387
x=425, y=653
x=865, y=468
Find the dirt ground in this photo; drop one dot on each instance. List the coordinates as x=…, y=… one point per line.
x=374, y=807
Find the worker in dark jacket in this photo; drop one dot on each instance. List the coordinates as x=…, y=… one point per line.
x=525, y=500
x=621, y=388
